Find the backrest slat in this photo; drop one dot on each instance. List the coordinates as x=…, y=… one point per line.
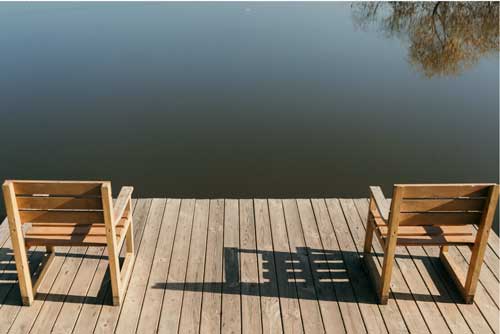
x=443, y=204
x=75, y=217
x=75, y=202
x=58, y=188
x=439, y=218
x=446, y=190
x=59, y=203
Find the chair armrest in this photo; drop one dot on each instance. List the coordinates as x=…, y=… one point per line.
x=381, y=202
x=121, y=203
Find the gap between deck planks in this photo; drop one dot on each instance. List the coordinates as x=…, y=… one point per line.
x=248, y=266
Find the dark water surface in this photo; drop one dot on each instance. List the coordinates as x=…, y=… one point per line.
x=249, y=99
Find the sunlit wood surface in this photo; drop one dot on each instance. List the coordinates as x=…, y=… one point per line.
x=249, y=266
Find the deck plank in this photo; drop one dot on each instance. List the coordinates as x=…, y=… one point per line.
x=50, y=309
x=251, y=315
x=26, y=316
x=482, y=298
x=131, y=306
x=269, y=294
x=471, y=313
x=73, y=303
x=191, y=304
x=153, y=299
x=321, y=270
x=172, y=300
x=351, y=314
x=308, y=299
x=365, y=295
x=290, y=308
x=212, y=297
x=10, y=293
x=100, y=289
x=231, y=293
x=494, y=242
x=110, y=314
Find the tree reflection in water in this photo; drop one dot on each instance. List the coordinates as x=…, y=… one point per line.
x=444, y=38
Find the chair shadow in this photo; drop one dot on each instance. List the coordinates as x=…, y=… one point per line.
x=309, y=274
x=9, y=288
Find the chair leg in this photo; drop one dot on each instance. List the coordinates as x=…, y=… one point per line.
x=120, y=277
x=114, y=274
x=23, y=273
x=128, y=264
x=385, y=279
x=476, y=261
x=369, y=235
x=382, y=280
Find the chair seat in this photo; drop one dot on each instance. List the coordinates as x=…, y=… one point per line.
x=71, y=234
x=431, y=235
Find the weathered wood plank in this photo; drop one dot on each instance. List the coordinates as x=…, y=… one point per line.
x=343, y=228
x=131, y=306
x=100, y=290
x=109, y=314
x=308, y=299
x=320, y=269
x=27, y=315
x=231, y=293
x=10, y=295
x=482, y=298
x=471, y=313
x=191, y=304
x=66, y=319
x=73, y=304
x=153, y=299
x=172, y=300
x=54, y=302
x=353, y=321
x=212, y=297
x=494, y=243
x=251, y=319
x=292, y=318
x=269, y=294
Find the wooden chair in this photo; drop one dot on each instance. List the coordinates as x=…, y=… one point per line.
x=431, y=215
x=69, y=213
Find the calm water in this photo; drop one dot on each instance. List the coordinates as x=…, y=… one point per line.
x=248, y=99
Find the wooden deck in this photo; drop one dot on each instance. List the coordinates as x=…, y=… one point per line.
x=248, y=266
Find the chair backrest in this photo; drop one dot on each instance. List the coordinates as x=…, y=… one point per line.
x=76, y=202
x=443, y=204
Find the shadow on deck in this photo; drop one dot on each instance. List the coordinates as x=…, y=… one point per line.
x=306, y=274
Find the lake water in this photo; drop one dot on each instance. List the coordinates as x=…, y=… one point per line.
x=249, y=99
